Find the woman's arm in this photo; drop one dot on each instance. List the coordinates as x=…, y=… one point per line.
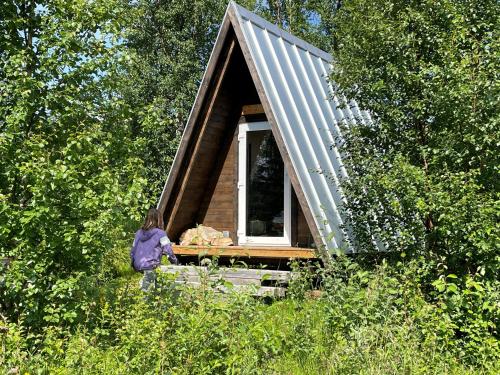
x=166, y=248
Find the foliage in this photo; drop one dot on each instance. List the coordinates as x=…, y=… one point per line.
x=364, y=322
x=93, y=95
x=311, y=20
x=70, y=184
x=168, y=43
x=173, y=41
x=424, y=171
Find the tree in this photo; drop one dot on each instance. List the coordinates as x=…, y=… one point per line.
x=311, y=20
x=70, y=185
x=424, y=172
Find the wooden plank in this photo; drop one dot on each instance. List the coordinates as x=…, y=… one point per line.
x=217, y=220
x=243, y=251
x=252, y=109
x=254, y=273
x=227, y=188
x=217, y=223
x=304, y=237
x=263, y=291
x=224, y=192
x=233, y=280
x=218, y=205
x=222, y=206
x=294, y=230
x=279, y=140
x=245, y=280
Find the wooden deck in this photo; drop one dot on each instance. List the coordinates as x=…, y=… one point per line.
x=246, y=251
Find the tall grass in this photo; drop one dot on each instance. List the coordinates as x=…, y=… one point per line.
x=363, y=323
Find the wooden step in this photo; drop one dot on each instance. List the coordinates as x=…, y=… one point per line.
x=263, y=291
x=233, y=279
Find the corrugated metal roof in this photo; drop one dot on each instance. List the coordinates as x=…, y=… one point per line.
x=294, y=75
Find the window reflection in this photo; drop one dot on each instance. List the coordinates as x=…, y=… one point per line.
x=265, y=194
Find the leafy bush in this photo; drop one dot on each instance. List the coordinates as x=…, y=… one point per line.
x=71, y=183
x=423, y=171
x=364, y=322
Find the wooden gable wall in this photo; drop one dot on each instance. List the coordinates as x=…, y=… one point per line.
x=220, y=202
x=205, y=189
x=209, y=144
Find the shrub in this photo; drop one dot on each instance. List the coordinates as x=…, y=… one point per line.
x=366, y=321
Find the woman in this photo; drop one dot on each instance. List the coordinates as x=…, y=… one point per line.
x=150, y=243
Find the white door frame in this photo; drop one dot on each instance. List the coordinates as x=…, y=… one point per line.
x=243, y=239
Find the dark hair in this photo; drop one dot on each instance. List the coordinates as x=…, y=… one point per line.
x=152, y=219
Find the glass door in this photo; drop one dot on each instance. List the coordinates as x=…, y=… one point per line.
x=263, y=188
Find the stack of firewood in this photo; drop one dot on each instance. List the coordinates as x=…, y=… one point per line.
x=204, y=236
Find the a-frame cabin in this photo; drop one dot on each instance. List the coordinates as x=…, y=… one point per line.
x=258, y=156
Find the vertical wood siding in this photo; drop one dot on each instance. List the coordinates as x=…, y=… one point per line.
x=219, y=205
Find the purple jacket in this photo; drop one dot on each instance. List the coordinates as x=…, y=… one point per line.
x=149, y=246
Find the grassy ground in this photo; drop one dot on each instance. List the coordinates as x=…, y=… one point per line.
x=369, y=323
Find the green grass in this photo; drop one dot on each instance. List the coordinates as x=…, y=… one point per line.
x=363, y=325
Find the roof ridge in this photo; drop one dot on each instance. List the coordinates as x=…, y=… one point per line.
x=243, y=13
